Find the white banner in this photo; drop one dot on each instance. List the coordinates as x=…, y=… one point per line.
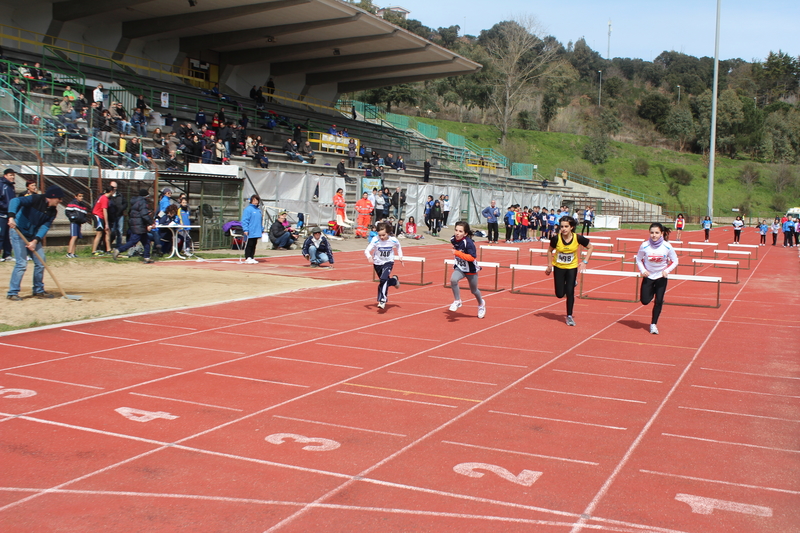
x=165, y=100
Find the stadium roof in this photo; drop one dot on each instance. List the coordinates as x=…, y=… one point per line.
x=327, y=40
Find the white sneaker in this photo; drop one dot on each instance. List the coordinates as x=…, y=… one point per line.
x=455, y=305
x=482, y=310
x=251, y=261
x=570, y=320
x=381, y=305
x=653, y=329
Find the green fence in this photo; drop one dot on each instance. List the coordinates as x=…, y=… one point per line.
x=455, y=139
x=428, y=130
x=523, y=171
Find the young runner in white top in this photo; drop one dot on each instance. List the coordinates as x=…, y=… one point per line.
x=656, y=259
x=381, y=253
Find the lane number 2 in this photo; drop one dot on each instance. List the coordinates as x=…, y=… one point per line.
x=138, y=415
x=315, y=444
x=16, y=393
x=526, y=478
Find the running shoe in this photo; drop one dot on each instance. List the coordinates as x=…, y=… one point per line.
x=98, y=253
x=381, y=305
x=570, y=320
x=455, y=305
x=149, y=261
x=482, y=310
x=396, y=282
x=653, y=329
x=115, y=254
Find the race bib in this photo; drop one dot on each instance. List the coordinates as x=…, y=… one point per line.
x=565, y=258
x=461, y=264
x=385, y=253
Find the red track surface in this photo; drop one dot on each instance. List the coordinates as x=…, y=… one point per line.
x=313, y=411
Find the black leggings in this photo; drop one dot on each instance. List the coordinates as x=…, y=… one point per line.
x=492, y=231
x=564, y=279
x=586, y=225
x=764, y=239
x=774, y=239
x=250, y=248
x=509, y=232
x=736, y=234
x=657, y=288
x=707, y=232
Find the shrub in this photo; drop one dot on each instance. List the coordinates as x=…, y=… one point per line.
x=641, y=167
x=680, y=175
x=779, y=203
x=596, y=150
x=749, y=175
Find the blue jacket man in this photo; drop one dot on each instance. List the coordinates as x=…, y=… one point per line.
x=7, y=193
x=32, y=216
x=491, y=214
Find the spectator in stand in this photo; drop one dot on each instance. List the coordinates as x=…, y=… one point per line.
x=32, y=217
x=340, y=170
x=171, y=161
x=69, y=93
x=280, y=236
x=426, y=171
x=200, y=118
x=38, y=75
x=290, y=150
x=221, y=115
x=263, y=160
x=134, y=152
x=317, y=249
x=120, y=119
x=68, y=113
x=139, y=122
x=389, y=161
x=219, y=152
x=141, y=103
x=140, y=222
x=97, y=96
x=270, y=90
x=7, y=193
x=332, y=130
x=259, y=98
x=30, y=189
x=400, y=164
x=308, y=152
x=100, y=216
x=352, y=151
x=56, y=111
x=194, y=153
x=80, y=105
x=297, y=134
x=216, y=123
x=159, y=143
x=208, y=150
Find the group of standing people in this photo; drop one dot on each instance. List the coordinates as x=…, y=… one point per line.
x=437, y=212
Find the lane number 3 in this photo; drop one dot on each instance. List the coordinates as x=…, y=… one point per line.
x=526, y=478
x=315, y=444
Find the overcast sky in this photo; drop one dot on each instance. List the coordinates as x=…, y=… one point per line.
x=640, y=28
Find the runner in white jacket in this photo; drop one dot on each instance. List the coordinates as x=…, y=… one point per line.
x=656, y=259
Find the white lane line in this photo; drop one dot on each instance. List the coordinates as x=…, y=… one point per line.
x=214, y=317
x=605, y=375
x=623, y=360
x=200, y=348
x=339, y=426
x=720, y=482
x=474, y=361
x=395, y=399
x=36, y=349
x=739, y=414
x=749, y=373
x=134, y=362
x=184, y=401
x=731, y=443
x=398, y=337
x=585, y=395
x=312, y=362
x=248, y=335
x=158, y=325
x=55, y=381
x=505, y=348
x=559, y=420
x=98, y=335
x=256, y=379
x=303, y=326
x=439, y=377
x=746, y=391
x=357, y=348
x=522, y=453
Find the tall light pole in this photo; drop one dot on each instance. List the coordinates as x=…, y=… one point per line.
x=600, y=89
x=713, y=143
x=679, y=94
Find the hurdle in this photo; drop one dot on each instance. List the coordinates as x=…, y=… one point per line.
x=421, y=261
x=715, y=262
x=635, y=275
x=607, y=245
x=537, y=268
x=702, y=243
x=676, y=242
x=534, y=251
x=622, y=243
x=496, y=266
x=499, y=249
x=602, y=237
x=604, y=256
x=745, y=247
x=735, y=252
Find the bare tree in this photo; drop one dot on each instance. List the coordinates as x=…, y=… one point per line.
x=519, y=58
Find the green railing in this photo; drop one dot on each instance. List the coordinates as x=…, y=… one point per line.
x=55, y=79
x=398, y=121
x=455, y=139
x=429, y=131
x=523, y=171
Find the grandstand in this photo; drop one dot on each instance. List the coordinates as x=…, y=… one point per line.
x=181, y=58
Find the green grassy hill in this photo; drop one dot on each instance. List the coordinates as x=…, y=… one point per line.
x=562, y=150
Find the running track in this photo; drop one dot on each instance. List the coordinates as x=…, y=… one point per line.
x=312, y=411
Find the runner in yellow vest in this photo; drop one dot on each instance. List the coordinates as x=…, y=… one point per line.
x=564, y=260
